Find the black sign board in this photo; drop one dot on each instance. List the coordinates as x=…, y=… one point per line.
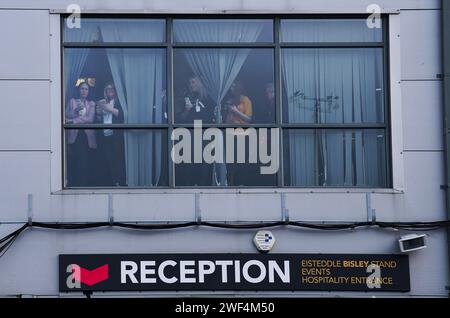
x=290, y=272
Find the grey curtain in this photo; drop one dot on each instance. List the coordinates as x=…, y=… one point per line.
x=328, y=30
x=138, y=76
x=75, y=59
x=333, y=86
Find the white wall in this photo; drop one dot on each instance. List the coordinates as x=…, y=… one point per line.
x=29, y=138
x=220, y=5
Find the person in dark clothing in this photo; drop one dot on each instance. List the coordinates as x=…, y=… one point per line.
x=195, y=105
x=111, y=159
x=267, y=113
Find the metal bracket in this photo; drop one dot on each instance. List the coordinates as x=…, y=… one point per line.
x=284, y=210
x=110, y=210
x=371, y=213
x=198, y=211
x=30, y=209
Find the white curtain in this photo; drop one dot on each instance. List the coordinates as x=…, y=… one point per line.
x=138, y=77
x=217, y=68
x=333, y=86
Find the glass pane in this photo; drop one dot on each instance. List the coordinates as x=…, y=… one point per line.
x=109, y=86
x=116, y=158
x=233, y=86
x=333, y=85
x=213, y=30
x=226, y=157
x=114, y=30
x=329, y=30
x=332, y=157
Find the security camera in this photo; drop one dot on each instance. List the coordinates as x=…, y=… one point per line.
x=412, y=242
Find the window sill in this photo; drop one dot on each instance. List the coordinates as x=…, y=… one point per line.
x=227, y=191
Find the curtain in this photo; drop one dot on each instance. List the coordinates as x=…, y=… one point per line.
x=333, y=86
x=217, y=68
x=75, y=59
x=138, y=77
x=328, y=30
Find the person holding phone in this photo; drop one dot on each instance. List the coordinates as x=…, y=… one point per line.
x=111, y=154
x=81, y=145
x=195, y=104
x=239, y=108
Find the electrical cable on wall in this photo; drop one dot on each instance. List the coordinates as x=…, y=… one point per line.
x=8, y=240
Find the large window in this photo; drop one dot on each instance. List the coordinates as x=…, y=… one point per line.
x=259, y=102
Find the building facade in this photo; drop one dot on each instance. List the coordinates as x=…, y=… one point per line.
x=358, y=113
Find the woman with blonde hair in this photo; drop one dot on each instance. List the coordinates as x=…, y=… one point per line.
x=111, y=167
x=195, y=105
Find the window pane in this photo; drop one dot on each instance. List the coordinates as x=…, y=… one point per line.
x=226, y=157
x=333, y=85
x=115, y=30
x=108, y=86
x=335, y=158
x=205, y=78
x=235, y=30
x=125, y=158
x=329, y=30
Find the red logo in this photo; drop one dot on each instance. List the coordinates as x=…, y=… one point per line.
x=88, y=277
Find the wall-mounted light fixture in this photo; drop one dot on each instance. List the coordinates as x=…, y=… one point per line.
x=412, y=242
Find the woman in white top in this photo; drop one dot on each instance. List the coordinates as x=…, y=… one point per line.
x=111, y=167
